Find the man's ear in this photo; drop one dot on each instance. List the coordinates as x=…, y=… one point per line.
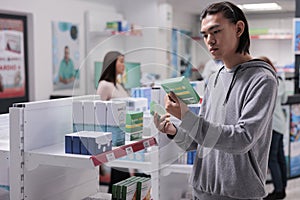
x=240, y=27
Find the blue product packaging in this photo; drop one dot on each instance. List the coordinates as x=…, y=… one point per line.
x=195, y=108
x=84, y=145
x=76, y=145
x=68, y=144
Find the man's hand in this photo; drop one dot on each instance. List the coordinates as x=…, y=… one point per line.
x=175, y=106
x=163, y=124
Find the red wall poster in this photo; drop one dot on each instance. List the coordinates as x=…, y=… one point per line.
x=12, y=62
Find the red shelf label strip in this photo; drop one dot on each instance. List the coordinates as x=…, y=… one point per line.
x=122, y=151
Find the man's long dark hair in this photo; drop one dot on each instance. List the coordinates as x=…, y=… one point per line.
x=234, y=14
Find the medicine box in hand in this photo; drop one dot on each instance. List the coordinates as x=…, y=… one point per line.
x=182, y=89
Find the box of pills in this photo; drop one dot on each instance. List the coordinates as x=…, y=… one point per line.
x=134, y=121
x=77, y=108
x=88, y=115
x=100, y=116
x=115, y=121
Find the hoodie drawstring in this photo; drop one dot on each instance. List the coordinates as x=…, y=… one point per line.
x=231, y=83
x=234, y=78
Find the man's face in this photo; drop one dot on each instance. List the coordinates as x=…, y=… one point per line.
x=219, y=36
x=67, y=54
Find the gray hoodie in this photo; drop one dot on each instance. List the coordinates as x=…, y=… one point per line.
x=233, y=132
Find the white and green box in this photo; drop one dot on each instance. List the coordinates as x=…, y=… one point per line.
x=134, y=121
x=182, y=88
x=100, y=116
x=129, y=189
x=134, y=136
x=145, y=189
x=115, y=121
x=88, y=115
x=135, y=104
x=77, y=108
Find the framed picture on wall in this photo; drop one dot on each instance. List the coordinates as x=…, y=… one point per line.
x=13, y=61
x=296, y=36
x=65, y=55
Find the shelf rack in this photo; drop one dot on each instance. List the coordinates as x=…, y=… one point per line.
x=40, y=168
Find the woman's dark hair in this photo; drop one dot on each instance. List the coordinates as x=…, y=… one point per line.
x=233, y=14
x=109, y=67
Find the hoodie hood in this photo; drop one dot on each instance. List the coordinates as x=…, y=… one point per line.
x=254, y=63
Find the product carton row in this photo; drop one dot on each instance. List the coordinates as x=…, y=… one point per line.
x=101, y=116
x=187, y=157
x=134, y=125
x=143, y=92
x=88, y=142
x=138, y=188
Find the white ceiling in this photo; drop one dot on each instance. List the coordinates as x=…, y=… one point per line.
x=196, y=6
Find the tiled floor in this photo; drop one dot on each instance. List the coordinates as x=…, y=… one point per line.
x=293, y=189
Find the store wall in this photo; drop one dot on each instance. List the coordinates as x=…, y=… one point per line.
x=44, y=12
x=144, y=13
x=278, y=50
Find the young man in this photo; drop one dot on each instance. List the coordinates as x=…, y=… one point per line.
x=232, y=134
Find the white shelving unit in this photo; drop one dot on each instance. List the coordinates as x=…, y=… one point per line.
x=39, y=166
x=4, y=151
x=55, y=156
x=272, y=37
x=176, y=168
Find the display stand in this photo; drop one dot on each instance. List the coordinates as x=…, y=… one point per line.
x=4, y=152
x=39, y=167
x=293, y=150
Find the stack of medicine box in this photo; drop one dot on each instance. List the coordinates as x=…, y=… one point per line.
x=138, y=188
x=115, y=121
x=134, y=104
x=119, y=26
x=88, y=142
x=134, y=125
x=101, y=116
x=144, y=92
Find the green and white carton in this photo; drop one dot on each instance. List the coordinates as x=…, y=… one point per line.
x=182, y=88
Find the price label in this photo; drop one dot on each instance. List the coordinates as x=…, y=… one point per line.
x=110, y=156
x=129, y=150
x=146, y=144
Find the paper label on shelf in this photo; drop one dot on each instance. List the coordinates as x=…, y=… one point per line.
x=110, y=156
x=146, y=144
x=129, y=150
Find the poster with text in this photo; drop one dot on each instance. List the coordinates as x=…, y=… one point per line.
x=65, y=55
x=295, y=140
x=296, y=37
x=12, y=62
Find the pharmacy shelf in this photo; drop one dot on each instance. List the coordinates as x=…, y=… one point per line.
x=144, y=166
x=272, y=37
x=112, y=33
x=55, y=156
x=4, y=145
x=124, y=150
x=176, y=168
